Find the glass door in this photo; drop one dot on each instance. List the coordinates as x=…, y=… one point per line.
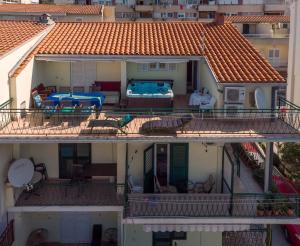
x=70, y=154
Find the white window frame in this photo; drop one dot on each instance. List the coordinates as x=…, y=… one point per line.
x=180, y=15
x=145, y=67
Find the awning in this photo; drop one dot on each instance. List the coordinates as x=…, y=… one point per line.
x=191, y=228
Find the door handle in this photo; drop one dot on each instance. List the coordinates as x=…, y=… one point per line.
x=175, y=243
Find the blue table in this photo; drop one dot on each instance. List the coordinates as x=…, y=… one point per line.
x=96, y=98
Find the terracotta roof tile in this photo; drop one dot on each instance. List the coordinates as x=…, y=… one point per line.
x=51, y=8
x=231, y=56
x=14, y=33
x=258, y=19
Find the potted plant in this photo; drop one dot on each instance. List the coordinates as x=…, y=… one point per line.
x=290, y=210
x=268, y=209
x=276, y=210
x=260, y=210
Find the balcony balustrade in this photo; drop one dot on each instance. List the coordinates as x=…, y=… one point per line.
x=212, y=205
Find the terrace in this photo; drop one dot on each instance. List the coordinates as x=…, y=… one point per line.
x=281, y=124
x=62, y=193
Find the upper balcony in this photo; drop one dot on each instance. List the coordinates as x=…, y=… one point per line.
x=282, y=124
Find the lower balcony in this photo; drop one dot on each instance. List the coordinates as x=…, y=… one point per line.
x=212, y=205
x=64, y=193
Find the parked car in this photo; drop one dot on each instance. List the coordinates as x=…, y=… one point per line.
x=291, y=232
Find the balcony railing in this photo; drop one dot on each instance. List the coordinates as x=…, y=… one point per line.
x=212, y=205
x=282, y=122
x=269, y=35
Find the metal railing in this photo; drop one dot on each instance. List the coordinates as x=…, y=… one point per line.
x=181, y=122
x=6, y=115
x=265, y=35
x=212, y=205
x=7, y=237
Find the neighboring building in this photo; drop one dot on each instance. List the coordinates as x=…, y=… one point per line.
x=58, y=12
x=146, y=153
x=269, y=35
x=293, y=88
x=193, y=9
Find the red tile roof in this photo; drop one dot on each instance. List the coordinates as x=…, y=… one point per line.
x=231, y=56
x=14, y=33
x=51, y=8
x=258, y=19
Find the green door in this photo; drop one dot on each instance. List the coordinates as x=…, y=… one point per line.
x=149, y=169
x=179, y=158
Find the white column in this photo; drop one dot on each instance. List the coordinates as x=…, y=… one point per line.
x=120, y=229
x=293, y=85
x=123, y=78
x=121, y=163
x=268, y=166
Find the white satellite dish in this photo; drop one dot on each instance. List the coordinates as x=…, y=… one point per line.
x=260, y=99
x=20, y=172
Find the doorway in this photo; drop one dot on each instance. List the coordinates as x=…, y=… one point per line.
x=191, y=76
x=169, y=163
x=75, y=228
x=70, y=154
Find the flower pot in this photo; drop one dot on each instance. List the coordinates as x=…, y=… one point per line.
x=276, y=212
x=290, y=212
x=260, y=212
x=268, y=212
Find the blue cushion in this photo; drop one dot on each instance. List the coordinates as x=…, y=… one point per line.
x=37, y=100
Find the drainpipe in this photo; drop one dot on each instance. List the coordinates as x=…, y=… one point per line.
x=268, y=167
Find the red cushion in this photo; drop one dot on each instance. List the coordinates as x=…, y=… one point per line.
x=109, y=85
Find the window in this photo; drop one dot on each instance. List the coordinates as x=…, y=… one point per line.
x=285, y=25
x=142, y=67
x=166, y=238
x=162, y=66
x=170, y=15
x=180, y=15
x=152, y=66
x=172, y=66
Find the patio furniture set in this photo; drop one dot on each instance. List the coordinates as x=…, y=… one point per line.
x=192, y=187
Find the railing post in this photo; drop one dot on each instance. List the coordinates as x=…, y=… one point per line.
x=268, y=167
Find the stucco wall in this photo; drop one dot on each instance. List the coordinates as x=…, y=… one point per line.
x=135, y=236
x=25, y=223
x=49, y=154
x=7, y=63
x=6, y=156
x=59, y=73
x=203, y=161
x=178, y=76
x=207, y=80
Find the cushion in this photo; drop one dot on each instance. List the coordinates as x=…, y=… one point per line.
x=37, y=101
x=109, y=85
x=125, y=120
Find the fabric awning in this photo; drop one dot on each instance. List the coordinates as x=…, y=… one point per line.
x=199, y=228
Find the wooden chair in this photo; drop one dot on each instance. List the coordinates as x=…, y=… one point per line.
x=51, y=89
x=164, y=189
x=78, y=89
x=94, y=88
x=64, y=89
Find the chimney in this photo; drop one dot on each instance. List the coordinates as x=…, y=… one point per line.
x=220, y=18
x=46, y=19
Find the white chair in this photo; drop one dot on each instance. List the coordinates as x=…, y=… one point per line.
x=208, y=106
x=134, y=188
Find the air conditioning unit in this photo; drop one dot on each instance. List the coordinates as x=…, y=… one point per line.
x=234, y=94
x=233, y=110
